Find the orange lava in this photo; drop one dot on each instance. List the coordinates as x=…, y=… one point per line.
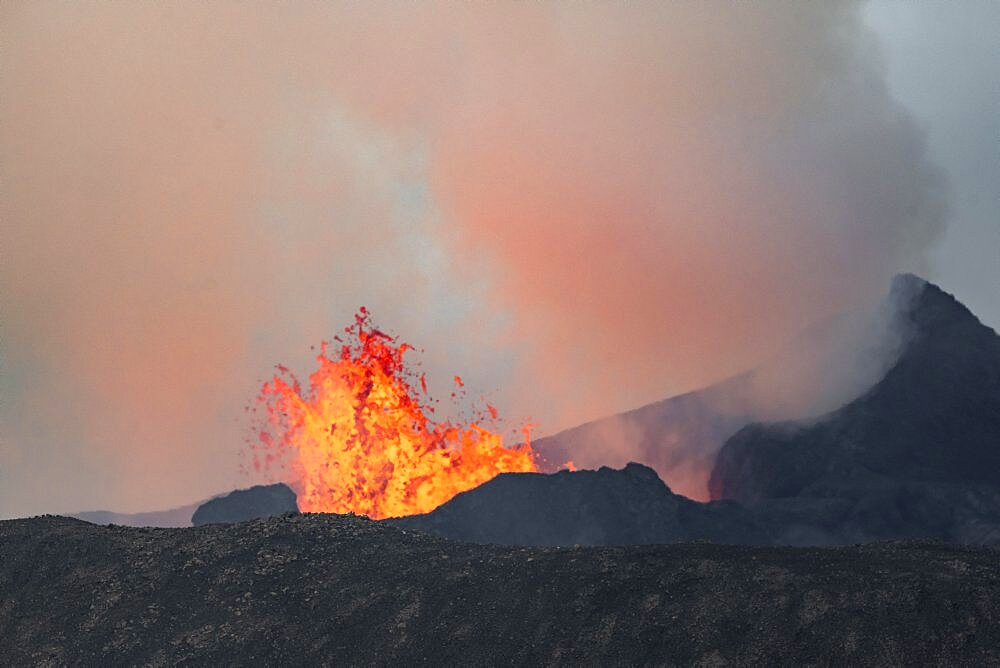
x=359, y=440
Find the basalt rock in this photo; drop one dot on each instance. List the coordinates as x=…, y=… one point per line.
x=915, y=457
x=342, y=590
x=918, y=455
x=631, y=506
x=247, y=504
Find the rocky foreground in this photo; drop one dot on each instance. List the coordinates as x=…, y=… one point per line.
x=327, y=589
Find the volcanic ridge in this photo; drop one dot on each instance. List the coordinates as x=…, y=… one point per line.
x=917, y=456
x=593, y=566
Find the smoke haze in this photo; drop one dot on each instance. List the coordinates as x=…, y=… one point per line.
x=578, y=209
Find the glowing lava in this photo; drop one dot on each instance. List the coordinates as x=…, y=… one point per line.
x=359, y=439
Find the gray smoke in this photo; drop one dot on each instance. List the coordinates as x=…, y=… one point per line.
x=578, y=208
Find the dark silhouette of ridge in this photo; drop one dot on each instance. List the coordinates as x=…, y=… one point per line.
x=918, y=454
x=631, y=506
x=934, y=417
x=247, y=504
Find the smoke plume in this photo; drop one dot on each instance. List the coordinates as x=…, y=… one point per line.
x=579, y=208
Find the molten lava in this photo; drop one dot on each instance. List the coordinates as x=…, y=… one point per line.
x=359, y=438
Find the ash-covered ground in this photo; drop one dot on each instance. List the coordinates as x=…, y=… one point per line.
x=343, y=590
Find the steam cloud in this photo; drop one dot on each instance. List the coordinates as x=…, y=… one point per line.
x=581, y=208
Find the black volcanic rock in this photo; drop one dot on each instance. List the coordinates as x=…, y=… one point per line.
x=916, y=455
x=247, y=504
x=342, y=590
x=631, y=506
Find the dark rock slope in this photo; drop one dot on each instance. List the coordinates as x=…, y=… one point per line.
x=247, y=504
x=334, y=590
x=915, y=457
x=918, y=454
x=631, y=506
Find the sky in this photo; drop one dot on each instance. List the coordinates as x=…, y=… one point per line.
x=944, y=66
x=578, y=209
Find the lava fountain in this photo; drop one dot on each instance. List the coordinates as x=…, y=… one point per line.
x=359, y=438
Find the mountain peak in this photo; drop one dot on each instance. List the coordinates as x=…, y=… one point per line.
x=934, y=416
x=925, y=305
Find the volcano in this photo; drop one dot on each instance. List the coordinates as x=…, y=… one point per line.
x=935, y=417
x=915, y=456
x=818, y=371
